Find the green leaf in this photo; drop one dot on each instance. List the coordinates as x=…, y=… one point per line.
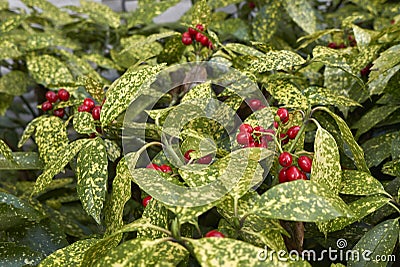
x=6, y=151
x=378, y=148
x=360, y=183
x=5, y=101
x=13, y=255
x=143, y=252
x=44, y=40
x=113, y=150
x=121, y=193
x=360, y=208
x=201, y=13
x=276, y=60
x=200, y=91
x=326, y=162
x=301, y=200
x=266, y=21
x=373, y=117
x=380, y=241
x=11, y=23
x=50, y=11
x=156, y=214
x=101, y=13
x=288, y=94
x=93, y=87
x=347, y=136
x=244, y=49
x=303, y=14
x=124, y=90
x=49, y=71
x=222, y=3
x=56, y=165
x=309, y=39
x=84, y=123
x=231, y=252
x=22, y=161
x=91, y=171
x=69, y=256
x=9, y=50
x=14, y=83
x=324, y=96
x=392, y=168
x=15, y=211
x=147, y=10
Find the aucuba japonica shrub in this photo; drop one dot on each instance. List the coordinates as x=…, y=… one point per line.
x=202, y=142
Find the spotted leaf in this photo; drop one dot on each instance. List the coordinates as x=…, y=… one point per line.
x=50, y=11
x=124, y=90
x=380, y=240
x=303, y=14
x=326, y=162
x=301, y=200
x=276, y=60
x=288, y=94
x=22, y=161
x=147, y=11
x=266, y=21
x=93, y=87
x=392, y=168
x=324, y=96
x=14, y=83
x=12, y=254
x=6, y=151
x=144, y=252
x=91, y=171
x=156, y=214
x=347, y=136
x=49, y=71
x=360, y=208
x=84, y=123
x=113, y=150
x=69, y=256
x=360, y=183
x=57, y=164
x=101, y=14
x=378, y=148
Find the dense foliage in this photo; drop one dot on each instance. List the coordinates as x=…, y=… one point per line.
x=314, y=160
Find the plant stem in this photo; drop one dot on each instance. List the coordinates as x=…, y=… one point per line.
x=29, y=107
x=299, y=134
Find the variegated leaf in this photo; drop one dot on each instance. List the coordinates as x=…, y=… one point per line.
x=392, y=168
x=101, y=14
x=71, y=255
x=360, y=183
x=360, y=208
x=303, y=14
x=288, y=94
x=201, y=13
x=380, y=240
x=324, y=96
x=347, y=136
x=93, y=87
x=44, y=40
x=156, y=214
x=12, y=254
x=301, y=200
x=5, y=101
x=144, y=252
x=92, y=174
x=378, y=148
x=113, y=150
x=84, y=123
x=49, y=71
x=243, y=49
x=266, y=21
x=11, y=23
x=14, y=83
x=57, y=164
x=50, y=11
x=124, y=90
x=276, y=60
x=200, y=91
x=147, y=11
x=22, y=161
x=326, y=162
x=6, y=151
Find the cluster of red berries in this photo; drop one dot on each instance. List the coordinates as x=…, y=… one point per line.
x=203, y=160
x=164, y=168
x=196, y=35
x=291, y=172
x=214, y=233
x=52, y=97
x=254, y=137
x=88, y=105
x=282, y=117
x=352, y=43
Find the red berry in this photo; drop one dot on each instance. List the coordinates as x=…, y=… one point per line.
x=252, y=5
x=146, y=201
x=154, y=167
x=262, y=143
x=285, y=159
x=204, y=40
x=186, y=40
x=47, y=106
x=96, y=113
x=89, y=102
x=186, y=34
x=192, y=32
x=284, y=138
x=63, y=95
x=199, y=37
x=259, y=129
x=187, y=155
x=366, y=71
x=269, y=136
x=51, y=96
x=282, y=175
x=200, y=27
x=210, y=45
x=59, y=112
x=244, y=138
x=83, y=108
x=332, y=45
x=392, y=21
x=303, y=176
x=276, y=125
x=293, y=173
x=165, y=168
x=305, y=163
x=246, y=128
x=255, y=104
x=283, y=114
x=205, y=160
x=214, y=233
x=342, y=45
x=293, y=131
